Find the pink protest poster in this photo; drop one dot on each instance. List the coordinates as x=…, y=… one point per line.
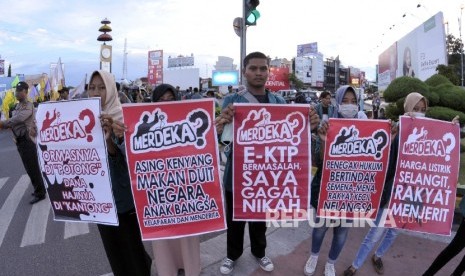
x=172, y=155
x=425, y=183
x=354, y=168
x=271, y=166
x=73, y=159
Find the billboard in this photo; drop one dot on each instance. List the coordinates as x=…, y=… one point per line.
x=180, y=61
x=306, y=49
x=155, y=67
x=416, y=55
x=220, y=78
x=184, y=78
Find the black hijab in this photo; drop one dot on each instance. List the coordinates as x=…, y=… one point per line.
x=161, y=89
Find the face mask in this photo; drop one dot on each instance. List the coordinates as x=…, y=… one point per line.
x=348, y=110
x=418, y=114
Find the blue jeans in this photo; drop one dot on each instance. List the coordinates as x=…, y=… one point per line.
x=372, y=237
x=339, y=239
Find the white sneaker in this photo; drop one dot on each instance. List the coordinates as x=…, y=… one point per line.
x=330, y=270
x=227, y=266
x=310, y=265
x=265, y=263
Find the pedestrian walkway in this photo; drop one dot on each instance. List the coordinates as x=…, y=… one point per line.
x=289, y=249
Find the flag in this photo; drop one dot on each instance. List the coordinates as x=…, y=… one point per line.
x=58, y=78
x=47, y=88
x=15, y=82
x=78, y=90
x=33, y=93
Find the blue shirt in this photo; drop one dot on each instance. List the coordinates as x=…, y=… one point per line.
x=236, y=98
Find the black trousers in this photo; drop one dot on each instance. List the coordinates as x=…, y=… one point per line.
x=235, y=234
x=28, y=153
x=124, y=248
x=454, y=248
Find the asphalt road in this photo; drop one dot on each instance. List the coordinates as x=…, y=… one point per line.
x=31, y=242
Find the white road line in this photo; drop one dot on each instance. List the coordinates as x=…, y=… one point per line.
x=11, y=203
x=36, y=225
x=3, y=180
x=75, y=229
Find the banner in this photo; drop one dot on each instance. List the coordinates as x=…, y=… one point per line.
x=173, y=162
x=278, y=79
x=271, y=163
x=73, y=160
x=155, y=67
x=425, y=183
x=354, y=168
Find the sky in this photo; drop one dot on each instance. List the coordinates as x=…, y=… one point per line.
x=34, y=34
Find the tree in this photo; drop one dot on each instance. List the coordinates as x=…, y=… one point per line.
x=450, y=72
x=296, y=83
x=454, y=51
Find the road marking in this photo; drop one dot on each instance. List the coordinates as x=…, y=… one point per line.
x=75, y=229
x=11, y=203
x=36, y=225
x=3, y=180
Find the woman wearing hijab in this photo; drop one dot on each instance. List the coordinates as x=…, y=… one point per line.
x=415, y=105
x=346, y=107
x=173, y=255
x=123, y=244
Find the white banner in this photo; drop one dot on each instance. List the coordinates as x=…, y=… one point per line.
x=73, y=161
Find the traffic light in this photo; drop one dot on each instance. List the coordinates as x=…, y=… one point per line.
x=251, y=14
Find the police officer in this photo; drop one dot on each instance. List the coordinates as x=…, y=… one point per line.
x=20, y=123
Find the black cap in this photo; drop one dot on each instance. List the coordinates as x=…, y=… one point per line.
x=22, y=86
x=64, y=89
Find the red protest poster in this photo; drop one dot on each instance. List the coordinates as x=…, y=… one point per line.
x=271, y=163
x=425, y=183
x=354, y=168
x=73, y=160
x=173, y=162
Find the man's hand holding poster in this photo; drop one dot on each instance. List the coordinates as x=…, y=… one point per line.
x=271, y=162
x=354, y=168
x=173, y=162
x=424, y=189
x=73, y=161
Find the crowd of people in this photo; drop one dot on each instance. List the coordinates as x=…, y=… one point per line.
x=123, y=244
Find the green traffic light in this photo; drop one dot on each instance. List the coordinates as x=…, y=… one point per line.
x=253, y=16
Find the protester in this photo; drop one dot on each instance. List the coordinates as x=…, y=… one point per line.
x=455, y=247
x=256, y=67
x=347, y=107
x=21, y=122
x=415, y=105
x=63, y=94
x=123, y=244
x=172, y=255
x=324, y=108
x=196, y=94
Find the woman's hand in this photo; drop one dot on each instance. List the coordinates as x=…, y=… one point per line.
x=456, y=120
x=226, y=117
x=323, y=130
x=313, y=118
x=107, y=122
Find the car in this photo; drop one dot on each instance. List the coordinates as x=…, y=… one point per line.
x=311, y=95
x=288, y=95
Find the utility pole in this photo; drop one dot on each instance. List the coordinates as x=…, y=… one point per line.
x=125, y=61
x=461, y=49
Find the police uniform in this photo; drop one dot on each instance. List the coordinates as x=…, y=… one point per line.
x=20, y=123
